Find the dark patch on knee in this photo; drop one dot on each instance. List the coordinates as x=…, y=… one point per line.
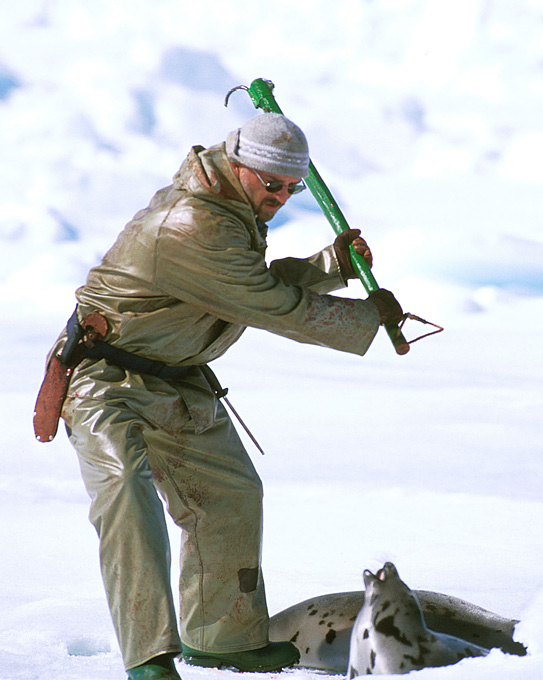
x=248, y=579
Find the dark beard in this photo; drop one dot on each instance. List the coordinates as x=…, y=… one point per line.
x=268, y=208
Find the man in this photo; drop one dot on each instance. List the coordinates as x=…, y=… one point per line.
x=179, y=286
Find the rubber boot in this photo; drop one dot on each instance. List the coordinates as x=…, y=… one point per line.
x=162, y=669
x=273, y=657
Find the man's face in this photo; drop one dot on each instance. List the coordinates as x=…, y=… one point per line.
x=265, y=204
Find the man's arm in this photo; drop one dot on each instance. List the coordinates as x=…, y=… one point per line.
x=209, y=270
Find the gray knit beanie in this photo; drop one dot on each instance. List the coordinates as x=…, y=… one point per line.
x=270, y=143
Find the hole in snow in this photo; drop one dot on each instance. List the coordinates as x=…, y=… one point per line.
x=87, y=647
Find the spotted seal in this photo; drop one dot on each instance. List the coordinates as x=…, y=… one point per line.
x=390, y=634
x=321, y=627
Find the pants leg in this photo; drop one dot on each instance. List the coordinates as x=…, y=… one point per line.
x=214, y=493
x=129, y=518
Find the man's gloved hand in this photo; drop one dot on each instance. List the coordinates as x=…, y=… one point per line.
x=343, y=254
x=387, y=305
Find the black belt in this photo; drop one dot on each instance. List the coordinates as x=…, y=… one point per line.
x=78, y=346
x=86, y=342
x=134, y=362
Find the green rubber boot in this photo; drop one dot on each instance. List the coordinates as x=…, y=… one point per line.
x=273, y=657
x=165, y=670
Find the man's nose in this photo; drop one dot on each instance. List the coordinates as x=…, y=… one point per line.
x=283, y=194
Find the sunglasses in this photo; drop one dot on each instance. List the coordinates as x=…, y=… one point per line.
x=275, y=185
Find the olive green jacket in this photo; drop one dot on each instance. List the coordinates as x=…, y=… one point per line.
x=188, y=274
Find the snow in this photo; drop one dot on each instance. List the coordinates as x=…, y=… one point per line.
x=425, y=122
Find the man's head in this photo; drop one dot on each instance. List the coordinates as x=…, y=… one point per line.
x=270, y=156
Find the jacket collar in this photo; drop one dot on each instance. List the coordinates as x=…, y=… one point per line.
x=208, y=171
x=208, y=174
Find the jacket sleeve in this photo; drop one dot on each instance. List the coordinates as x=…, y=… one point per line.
x=319, y=273
x=212, y=268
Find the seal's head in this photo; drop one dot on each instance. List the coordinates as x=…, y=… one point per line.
x=386, y=579
x=385, y=587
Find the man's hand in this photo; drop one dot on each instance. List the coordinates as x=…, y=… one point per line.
x=343, y=254
x=388, y=307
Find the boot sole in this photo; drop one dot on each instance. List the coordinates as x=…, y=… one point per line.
x=214, y=662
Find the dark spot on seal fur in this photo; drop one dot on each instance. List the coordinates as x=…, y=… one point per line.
x=366, y=634
x=387, y=627
x=373, y=656
x=418, y=662
x=330, y=636
x=295, y=636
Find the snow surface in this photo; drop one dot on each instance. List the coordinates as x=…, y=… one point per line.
x=424, y=117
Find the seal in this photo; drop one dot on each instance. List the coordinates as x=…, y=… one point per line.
x=390, y=634
x=321, y=626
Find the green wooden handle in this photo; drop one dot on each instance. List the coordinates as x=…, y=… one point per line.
x=261, y=92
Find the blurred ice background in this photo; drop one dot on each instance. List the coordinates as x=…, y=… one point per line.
x=425, y=120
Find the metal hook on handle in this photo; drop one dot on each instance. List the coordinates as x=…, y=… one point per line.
x=234, y=89
x=260, y=102
x=414, y=317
